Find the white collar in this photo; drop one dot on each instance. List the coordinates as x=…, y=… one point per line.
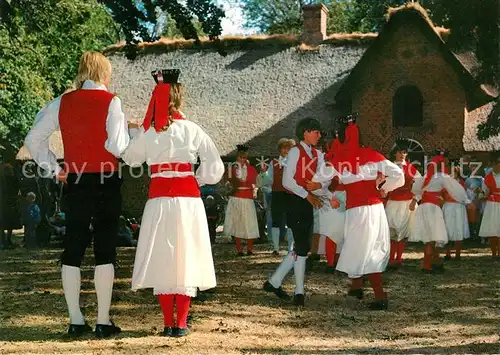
x=92, y=85
x=309, y=148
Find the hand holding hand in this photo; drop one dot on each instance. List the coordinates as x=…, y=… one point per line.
x=413, y=204
x=62, y=177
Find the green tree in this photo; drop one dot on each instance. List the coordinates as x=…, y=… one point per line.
x=285, y=16
x=136, y=18
x=171, y=30
x=40, y=43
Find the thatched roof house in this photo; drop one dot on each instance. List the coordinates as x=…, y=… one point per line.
x=266, y=84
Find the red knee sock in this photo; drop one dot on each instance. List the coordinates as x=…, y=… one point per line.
x=401, y=248
x=376, y=282
x=250, y=245
x=448, y=252
x=458, y=248
x=167, y=307
x=436, y=260
x=330, y=250
x=428, y=256
x=237, y=241
x=392, y=254
x=494, y=245
x=182, y=303
x=356, y=284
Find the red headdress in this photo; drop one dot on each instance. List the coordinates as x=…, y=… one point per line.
x=439, y=158
x=349, y=154
x=158, y=109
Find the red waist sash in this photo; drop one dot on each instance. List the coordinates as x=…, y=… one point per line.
x=179, y=186
x=434, y=197
x=494, y=196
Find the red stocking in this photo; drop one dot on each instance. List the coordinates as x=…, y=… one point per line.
x=167, y=307
x=493, y=245
x=356, y=284
x=428, y=251
x=394, y=249
x=376, y=282
x=458, y=248
x=237, y=241
x=182, y=303
x=250, y=245
x=330, y=249
x=401, y=248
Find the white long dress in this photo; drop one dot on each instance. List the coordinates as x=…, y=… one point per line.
x=429, y=224
x=490, y=224
x=174, y=255
x=366, y=234
x=329, y=222
x=456, y=220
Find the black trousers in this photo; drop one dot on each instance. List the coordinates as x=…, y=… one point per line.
x=92, y=198
x=279, y=201
x=299, y=216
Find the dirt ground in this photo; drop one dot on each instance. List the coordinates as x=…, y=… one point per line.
x=456, y=312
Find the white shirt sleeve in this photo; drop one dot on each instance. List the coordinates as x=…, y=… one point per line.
x=289, y=170
x=456, y=190
x=395, y=176
x=417, y=188
x=211, y=167
x=37, y=140
x=135, y=154
x=117, y=129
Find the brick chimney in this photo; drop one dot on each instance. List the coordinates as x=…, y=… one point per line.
x=315, y=16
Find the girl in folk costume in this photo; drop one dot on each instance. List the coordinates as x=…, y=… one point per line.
x=174, y=255
x=399, y=215
x=331, y=217
x=279, y=196
x=490, y=225
x=429, y=226
x=241, y=215
x=455, y=216
x=367, y=239
x=302, y=163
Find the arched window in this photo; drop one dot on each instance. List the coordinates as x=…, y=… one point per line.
x=407, y=107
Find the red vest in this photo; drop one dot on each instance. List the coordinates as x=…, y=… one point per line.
x=82, y=118
x=244, y=189
x=491, y=184
x=277, y=176
x=362, y=193
x=404, y=193
x=306, y=166
x=433, y=197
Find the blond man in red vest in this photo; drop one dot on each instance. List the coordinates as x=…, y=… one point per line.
x=94, y=133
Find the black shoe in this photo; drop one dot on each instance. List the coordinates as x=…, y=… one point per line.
x=298, y=300
x=276, y=253
x=105, y=331
x=167, y=332
x=240, y=253
x=77, y=330
x=180, y=332
x=427, y=271
x=447, y=258
x=249, y=253
x=330, y=270
x=356, y=293
x=315, y=257
x=277, y=291
x=381, y=305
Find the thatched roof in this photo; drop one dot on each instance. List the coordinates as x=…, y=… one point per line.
x=476, y=94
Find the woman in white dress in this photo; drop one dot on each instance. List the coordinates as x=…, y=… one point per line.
x=455, y=218
x=490, y=225
x=429, y=226
x=174, y=255
x=241, y=215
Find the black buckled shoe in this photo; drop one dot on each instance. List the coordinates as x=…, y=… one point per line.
x=330, y=270
x=356, y=293
x=277, y=291
x=298, y=300
x=276, y=253
x=240, y=253
x=180, y=332
x=77, y=330
x=249, y=253
x=105, y=330
x=381, y=305
x=438, y=268
x=168, y=332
